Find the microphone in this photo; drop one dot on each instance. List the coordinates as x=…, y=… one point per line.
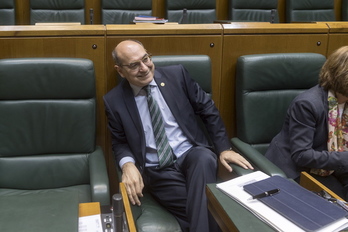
x=118, y=209
x=272, y=15
x=91, y=15
x=183, y=19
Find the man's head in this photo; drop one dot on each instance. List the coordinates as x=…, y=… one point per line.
x=133, y=62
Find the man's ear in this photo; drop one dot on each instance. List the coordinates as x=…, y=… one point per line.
x=119, y=70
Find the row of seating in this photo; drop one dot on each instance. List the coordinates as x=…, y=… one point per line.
x=123, y=12
x=31, y=116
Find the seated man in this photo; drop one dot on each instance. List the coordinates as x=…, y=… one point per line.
x=157, y=140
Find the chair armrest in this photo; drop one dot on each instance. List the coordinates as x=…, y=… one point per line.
x=256, y=158
x=99, y=180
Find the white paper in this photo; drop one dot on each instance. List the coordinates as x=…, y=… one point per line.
x=90, y=224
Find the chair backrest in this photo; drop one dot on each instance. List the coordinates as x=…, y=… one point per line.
x=265, y=86
x=54, y=11
x=198, y=11
x=47, y=122
x=310, y=10
x=123, y=11
x=7, y=12
x=344, y=9
x=254, y=10
x=199, y=68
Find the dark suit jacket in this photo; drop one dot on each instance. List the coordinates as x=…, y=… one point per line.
x=302, y=142
x=185, y=99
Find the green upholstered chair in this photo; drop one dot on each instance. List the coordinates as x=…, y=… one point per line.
x=57, y=11
x=344, y=9
x=254, y=10
x=309, y=10
x=49, y=161
x=198, y=11
x=265, y=86
x=7, y=12
x=151, y=216
x=123, y=11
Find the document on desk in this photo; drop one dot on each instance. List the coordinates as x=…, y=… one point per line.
x=235, y=189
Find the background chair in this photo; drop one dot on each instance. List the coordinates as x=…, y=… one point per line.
x=49, y=162
x=123, y=12
x=254, y=10
x=202, y=11
x=151, y=216
x=265, y=86
x=7, y=12
x=309, y=10
x=53, y=11
x=344, y=9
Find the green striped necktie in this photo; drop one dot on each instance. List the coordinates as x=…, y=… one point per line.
x=164, y=151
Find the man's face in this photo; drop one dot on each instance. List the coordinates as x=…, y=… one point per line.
x=136, y=64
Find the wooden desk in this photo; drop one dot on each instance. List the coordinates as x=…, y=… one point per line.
x=231, y=216
x=92, y=208
x=309, y=182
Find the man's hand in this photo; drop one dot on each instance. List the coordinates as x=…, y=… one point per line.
x=233, y=157
x=133, y=181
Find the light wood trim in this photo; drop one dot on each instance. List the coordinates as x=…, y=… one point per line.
x=129, y=215
x=309, y=182
x=274, y=28
x=89, y=208
x=221, y=217
x=50, y=30
x=164, y=29
x=338, y=27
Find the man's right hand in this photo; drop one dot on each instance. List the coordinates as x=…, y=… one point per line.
x=133, y=181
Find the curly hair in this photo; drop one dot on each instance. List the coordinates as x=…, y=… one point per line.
x=334, y=73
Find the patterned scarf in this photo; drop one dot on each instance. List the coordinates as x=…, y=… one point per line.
x=338, y=131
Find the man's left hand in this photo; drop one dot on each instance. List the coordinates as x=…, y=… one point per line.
x=227, y=157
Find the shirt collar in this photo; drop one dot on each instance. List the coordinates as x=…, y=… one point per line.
x=139, y=90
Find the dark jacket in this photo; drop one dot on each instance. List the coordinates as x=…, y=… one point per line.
x=302, y=142
x=185, y=99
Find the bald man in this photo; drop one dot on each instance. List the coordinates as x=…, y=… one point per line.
x=180, y=185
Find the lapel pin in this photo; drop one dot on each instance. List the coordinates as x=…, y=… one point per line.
x=162, y=84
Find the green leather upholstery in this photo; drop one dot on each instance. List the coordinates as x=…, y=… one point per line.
x=48, y=156
x=198, y=11
x=265, y=86
x=310, y=10
x=123, y=11
x=7, y=12
x=254, y=10
x=344, y=8
x=53, y=11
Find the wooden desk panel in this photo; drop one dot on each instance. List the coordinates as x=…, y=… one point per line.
x=338, y=35
x=309, y=182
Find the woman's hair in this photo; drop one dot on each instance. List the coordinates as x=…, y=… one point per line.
x=334, y=73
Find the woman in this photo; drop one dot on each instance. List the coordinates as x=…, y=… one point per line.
x=314, y=137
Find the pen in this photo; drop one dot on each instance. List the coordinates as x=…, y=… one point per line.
x=266, y=194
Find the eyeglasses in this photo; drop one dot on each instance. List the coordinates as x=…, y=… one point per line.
x=136, y=65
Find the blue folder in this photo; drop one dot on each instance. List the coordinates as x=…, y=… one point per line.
x=297, y=204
